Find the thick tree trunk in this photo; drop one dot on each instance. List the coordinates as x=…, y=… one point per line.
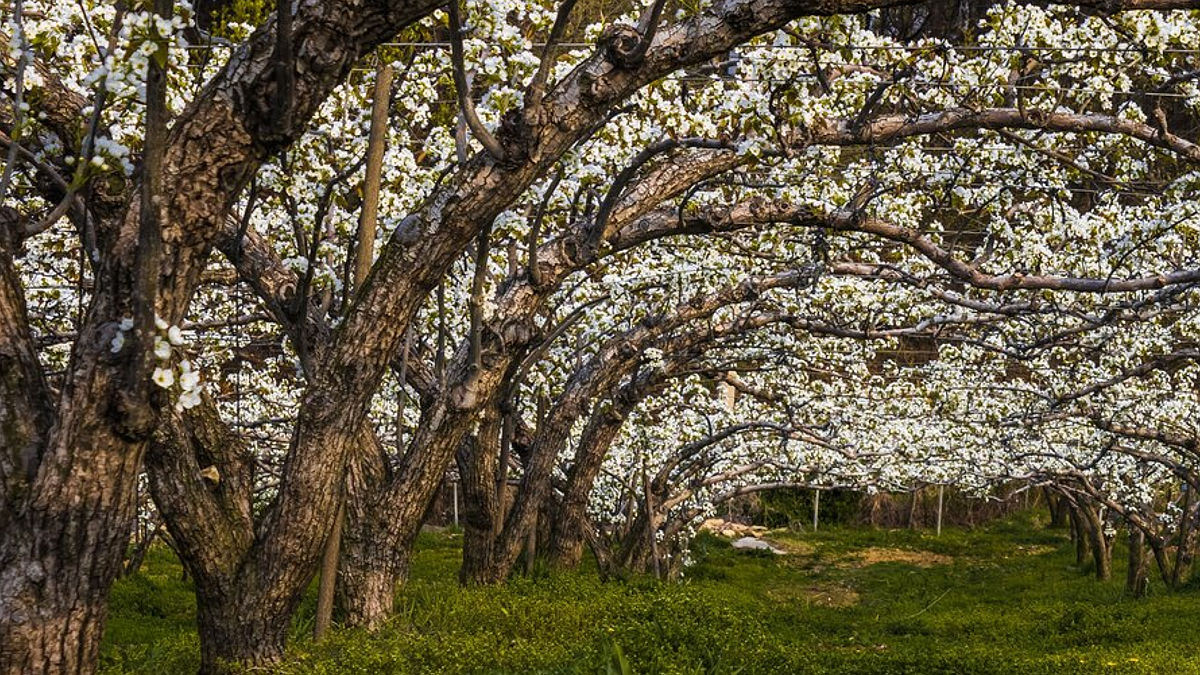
x=368, y=570
x=1161, y=560
x=478, y=560
x=236, y=631
x=65, y=643
x=1101, y=546
x=59, y=557
x=366, y=581
x=477, y=469
x=1187, y=542
x=551, y=435
x=567, y=542
x=1057, y=507
x=1136, y=579
x=364, y=256
x=637, y=553
x=1078, y=535
x=249, y=577
x=1183, y=564
x=67, y=497
x=567, y=535
x=1102, y=556
x=61, y=552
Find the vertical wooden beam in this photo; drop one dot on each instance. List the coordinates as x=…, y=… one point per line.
x=363, y=258
x=941, y=492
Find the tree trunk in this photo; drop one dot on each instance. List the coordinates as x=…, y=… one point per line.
x=236, y=631
x=567, y=533
x=1057, y=507
x=44, y=638
x=531, y=547
x=1187, y=542
x=1161, y=559
x=367, y=578
x=59, y=557
x=1136, y=579
x=139, y=552
x=1100, y=544
x=1078, y=536
x=1102, y=555
x=67, y=492
x=482, y=503
x=368, y=569
x=913, y=498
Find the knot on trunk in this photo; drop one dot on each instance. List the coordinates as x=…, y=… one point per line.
x=515, y=137
x=621, y=44
x=134, y=417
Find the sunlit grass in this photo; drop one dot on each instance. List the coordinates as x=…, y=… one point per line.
x=1005, y=599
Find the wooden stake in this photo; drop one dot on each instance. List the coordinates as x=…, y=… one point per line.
x=941, y=491
x=364, y=256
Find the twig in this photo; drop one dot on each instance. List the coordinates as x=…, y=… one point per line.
x=935, y=601
x=466, y=107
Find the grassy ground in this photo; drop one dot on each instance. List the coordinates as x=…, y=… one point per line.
x=1006, y=599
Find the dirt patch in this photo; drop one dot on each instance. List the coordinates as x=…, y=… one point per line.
x=872, y=556
x=824, y=595
x=730, y=529
x=794, y=547
x=832, y=596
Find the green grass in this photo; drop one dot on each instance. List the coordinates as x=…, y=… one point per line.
x=1005, y=599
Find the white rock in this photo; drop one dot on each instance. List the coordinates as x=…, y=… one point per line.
x=750, y=543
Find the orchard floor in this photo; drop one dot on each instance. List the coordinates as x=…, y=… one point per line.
x=1004, y=599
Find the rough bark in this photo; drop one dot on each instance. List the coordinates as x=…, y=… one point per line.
x=364, y=256
x=26, y=411
x=65, y=543
x=367, y=573
x=1098, y=542
x=482, y=500
x=568, y=534
x=1078, y=536
x=428, y=241
x=1136, y=577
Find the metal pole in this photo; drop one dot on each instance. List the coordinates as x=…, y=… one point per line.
x=941, y=490
x=455, y=484
x=816, y=508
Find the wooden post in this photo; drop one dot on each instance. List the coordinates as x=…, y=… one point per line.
x=816, y=507
x=364, y=256
x=941, y=492
x=912, y=508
